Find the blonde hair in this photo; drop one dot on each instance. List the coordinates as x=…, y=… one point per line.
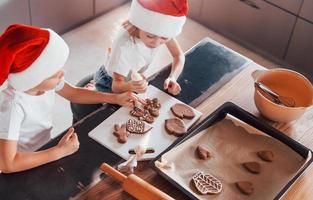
x=132, y=29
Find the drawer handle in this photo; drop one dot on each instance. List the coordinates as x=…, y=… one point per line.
x=251, y=4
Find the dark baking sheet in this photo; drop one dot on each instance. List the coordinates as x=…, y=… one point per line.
x=234, y=110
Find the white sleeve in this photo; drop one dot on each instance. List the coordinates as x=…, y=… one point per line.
x=124, y=59
x=120, y=61
x=11, y=117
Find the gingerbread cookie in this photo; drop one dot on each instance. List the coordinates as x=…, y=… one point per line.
x=202, y=153
x=142, y=115
x=182, y=111
x=137, y=127
x=266, y=155
x=153, y=107
x=175, y=127
x=121, y=133
x=245, y=187
x=253, y=167
x=206, y=183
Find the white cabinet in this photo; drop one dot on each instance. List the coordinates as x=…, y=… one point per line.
x=60, y=15
x=13, y=11
x=255, y=23
x=300, y=51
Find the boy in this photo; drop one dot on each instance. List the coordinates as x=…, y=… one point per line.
x=31, y=60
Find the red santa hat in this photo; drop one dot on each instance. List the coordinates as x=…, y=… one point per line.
x=163, y=18
x=30, y=55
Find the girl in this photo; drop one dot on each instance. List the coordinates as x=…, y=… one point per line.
x=31, y=60
x=150, y=24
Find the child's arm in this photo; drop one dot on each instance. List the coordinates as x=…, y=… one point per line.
x=120, y=85
x=177, y=66
x=13, y=161
x=85, y=96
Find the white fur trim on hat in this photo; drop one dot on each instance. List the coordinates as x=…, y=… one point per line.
x=50, y=61
x=154, y=22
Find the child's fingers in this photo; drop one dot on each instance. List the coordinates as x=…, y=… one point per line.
x=69, y=133
x=178, y=87
x=166, y=84
x=74, y=137
x=140, y=100
x=139, y=82
x=175, y=89
x=134, y=98
x=143, y=76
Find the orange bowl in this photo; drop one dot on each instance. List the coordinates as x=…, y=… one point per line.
x=286, y=83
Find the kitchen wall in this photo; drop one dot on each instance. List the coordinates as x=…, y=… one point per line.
x=60, y=15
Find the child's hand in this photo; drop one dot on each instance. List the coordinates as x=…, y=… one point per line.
x=139, y=86
x=128, y=99
x=69, y=143
x=172, y=86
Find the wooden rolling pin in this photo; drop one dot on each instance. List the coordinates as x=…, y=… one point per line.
x=135, y=186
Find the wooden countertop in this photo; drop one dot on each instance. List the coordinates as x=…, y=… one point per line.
x=239, y=91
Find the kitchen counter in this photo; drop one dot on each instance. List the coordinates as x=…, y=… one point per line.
x=78, y=176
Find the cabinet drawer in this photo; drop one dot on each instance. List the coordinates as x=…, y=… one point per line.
x=103, y=6
x=13, y=11
x=307, y=10
x=252, y=22
x=290, y=5
x=194, y=9
x=300, y=51
x=60, y=15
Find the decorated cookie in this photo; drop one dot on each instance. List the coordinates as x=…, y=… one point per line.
x=154, y=112
x=266, y=155
x=253, y=167
x=202, y=153
x=142, y=115
x=121, y=133
x=206, y=183
x=137, y=112
x=175, y=127
x=245, y=187
x=153, y=106
x=182, y=111
x=137, y=127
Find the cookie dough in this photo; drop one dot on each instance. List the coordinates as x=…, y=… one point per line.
x=245, y=187
x=266, y=155
x=253, y=167
x=202, y=153
x=175, y=126
x=182, y=111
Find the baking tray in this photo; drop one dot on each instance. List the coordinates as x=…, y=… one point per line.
x=244, y=116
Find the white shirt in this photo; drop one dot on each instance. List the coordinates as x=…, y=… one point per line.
x=26, y=118
x=129, y=54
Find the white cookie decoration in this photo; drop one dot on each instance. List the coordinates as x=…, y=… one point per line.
x=206, y=183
